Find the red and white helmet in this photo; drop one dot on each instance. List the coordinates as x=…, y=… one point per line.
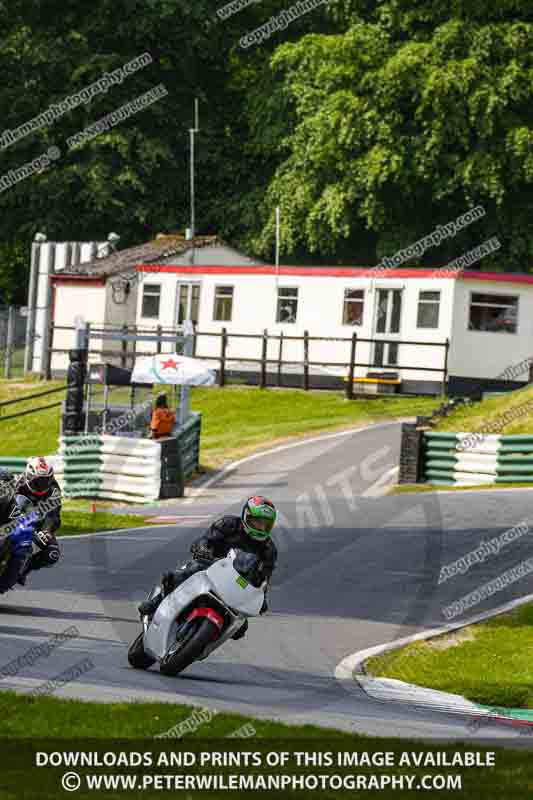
x=38, y=475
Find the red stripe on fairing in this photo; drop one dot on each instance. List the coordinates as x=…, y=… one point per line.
x=209, y=614
x=337, y=272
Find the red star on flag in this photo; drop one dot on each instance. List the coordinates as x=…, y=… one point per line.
x=170, y=364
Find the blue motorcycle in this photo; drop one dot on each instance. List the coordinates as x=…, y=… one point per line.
x=16, y=547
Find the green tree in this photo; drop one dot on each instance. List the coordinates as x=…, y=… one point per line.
x=415, y=114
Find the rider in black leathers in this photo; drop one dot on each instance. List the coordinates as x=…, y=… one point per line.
x=250, y=532
x=34, y=498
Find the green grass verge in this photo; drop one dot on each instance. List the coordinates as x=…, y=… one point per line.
x=48, y=716
x=73, y=522
x=238, y=420
x=475, y=417
x=235, y=420
x=33, y=434
x=489, y=663
x=47, y=724
x=410, y=488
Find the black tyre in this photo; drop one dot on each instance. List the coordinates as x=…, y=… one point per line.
x=137, y=655
x=187, y=649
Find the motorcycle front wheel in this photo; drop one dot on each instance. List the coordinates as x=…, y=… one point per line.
x=195, y=639
x=137, y=656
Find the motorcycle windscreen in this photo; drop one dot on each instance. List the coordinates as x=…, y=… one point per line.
x=233, y=589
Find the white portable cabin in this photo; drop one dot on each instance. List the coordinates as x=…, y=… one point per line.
x=408, y=314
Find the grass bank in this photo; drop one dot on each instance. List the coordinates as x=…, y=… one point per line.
x=503, y=411
x=235, y=420
x=488, y=663
x=238, y=420
x=75, y=522
x=410, y=488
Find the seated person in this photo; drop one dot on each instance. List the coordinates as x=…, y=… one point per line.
x=163, y=418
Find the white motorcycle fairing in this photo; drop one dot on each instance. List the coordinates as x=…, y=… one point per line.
x=227, y=588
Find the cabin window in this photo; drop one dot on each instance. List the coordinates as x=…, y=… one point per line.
x=428, y=310
x=287, y=309
x=151, y=300
x=223, y=307
x=354, y=306
x=497, y=313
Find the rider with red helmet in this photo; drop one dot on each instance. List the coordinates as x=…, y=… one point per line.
x=34, y=498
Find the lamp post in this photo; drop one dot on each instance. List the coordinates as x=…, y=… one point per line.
x=192, y=133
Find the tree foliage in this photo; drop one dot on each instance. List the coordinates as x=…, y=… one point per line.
x=368, y=123
x=412, y=116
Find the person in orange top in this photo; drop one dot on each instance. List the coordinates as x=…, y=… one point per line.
x=163, y=418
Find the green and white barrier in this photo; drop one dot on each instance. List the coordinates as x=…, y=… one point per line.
x=111, y=467
x=470, y=459
x=134, y=470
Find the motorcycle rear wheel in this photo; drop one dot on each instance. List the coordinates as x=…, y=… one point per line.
x=137, y=656
x=194, y=643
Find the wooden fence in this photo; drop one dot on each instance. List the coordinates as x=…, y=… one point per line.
x=133, y=336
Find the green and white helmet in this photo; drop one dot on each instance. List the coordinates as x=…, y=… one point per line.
x=258, y=517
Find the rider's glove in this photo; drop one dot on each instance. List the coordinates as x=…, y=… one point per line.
x=42, y=538
x=168, y=583
x=202, y=552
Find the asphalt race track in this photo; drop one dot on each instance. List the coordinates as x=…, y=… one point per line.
x=356, y=569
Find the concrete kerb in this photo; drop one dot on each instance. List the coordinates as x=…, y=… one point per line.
x=390, y=690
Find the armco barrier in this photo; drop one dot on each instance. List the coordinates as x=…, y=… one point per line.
x=470, y=459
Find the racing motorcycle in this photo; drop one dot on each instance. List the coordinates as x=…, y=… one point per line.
x=200, y=614
x=19, y=542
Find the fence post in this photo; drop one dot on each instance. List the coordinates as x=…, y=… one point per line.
x=222, y=370
x=133, y=347
x=9, y=341
x=306, y=360
x=351, y=370
x=445, y=373
x=263, y=359
x=87, y=344
x=280, y=357
x=159, y=335
x=124, y=345
x=49, y=350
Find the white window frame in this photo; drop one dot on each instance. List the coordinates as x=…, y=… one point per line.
x=225, y=297
x=421, y=301
x=494, y=294
x=347, y=300
x=190, y=284
x=282, y=289
x=145, y=286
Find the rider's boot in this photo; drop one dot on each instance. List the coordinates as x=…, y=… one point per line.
x=241, y=631
x=168, y=584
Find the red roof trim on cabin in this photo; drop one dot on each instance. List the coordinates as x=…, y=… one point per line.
x=335, y=272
